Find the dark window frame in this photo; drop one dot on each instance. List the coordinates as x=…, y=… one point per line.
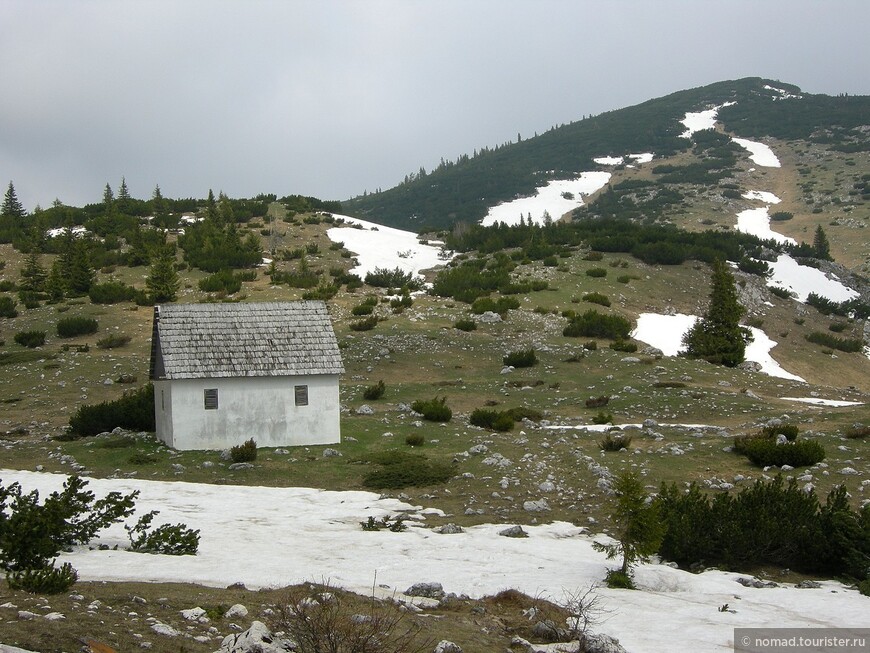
x=210, y=398
x=300, y=395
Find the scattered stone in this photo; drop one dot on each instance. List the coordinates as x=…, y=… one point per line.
x=26, y=615
x=426, y=590
x=164, y=629
x=808, y=584
x=331, y=453
x=513, y=531
x=54, y=616
x=849, y=471
x=756, y=583
x=256, y=639
x=449, y=529
x=490, y=317
x=446, y=646
x=547, y=486
x=193, y=614
x=478, y=449
x=540, y=505
x=235, y=611
x=365, y=409
x=237, y=466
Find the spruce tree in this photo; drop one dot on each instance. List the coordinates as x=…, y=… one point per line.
x=821, y=246
x=81, y=274
x=33, y=275
x=12, y=208
x=162, y=281
x=55, y=285
x=639, y=528
x=718, y=337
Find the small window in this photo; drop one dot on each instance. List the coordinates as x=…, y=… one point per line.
x=211, y=398
x=301, y=392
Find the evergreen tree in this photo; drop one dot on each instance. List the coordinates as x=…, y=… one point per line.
x=211, y=212
x=12, y=208
x=123, y=193
x=55, y=284
x=225, y=210
x=162, y=281
x=33, y=275
x=821, y=246
x=639, y=524
x=159, y=210
x=718, y=337
x=81, y=274
x=108, y=197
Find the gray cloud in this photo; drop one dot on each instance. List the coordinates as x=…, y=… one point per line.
x=332, y=98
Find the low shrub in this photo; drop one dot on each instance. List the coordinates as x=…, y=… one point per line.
x=366, y=308
x=790, y=431
x=166, y=539
x=43, y=580
x=765, y=452
x=500, y=306
x=596, y=298
x=614, y=441
x=617, y=579
x=398, y=469
x=70, y=327
x=395, y=278
x=133, y=411
x=857, y=431
x=113, y=341
x=603, y=418
x=7, y=307
x=781, y=216
x=415, y=439
x=245, y=452
x=491, y=419
x=848, y=345
x=374, y=392
x=521, y=358
x=596, y=272
x=111, y=292
x=140, y=458
x=520, y=413
x=624, y=346
x=782, y=293
x=597, y=402
x=593, y=256
x=433, y=410
x=364, y=325
x=597, y=325
x=465, y=324
x=222, y=281
x=30, y=339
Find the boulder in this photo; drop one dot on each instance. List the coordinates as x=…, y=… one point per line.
x=256, y=639
x=446, y=646
x=513, y=531
x=426, y=590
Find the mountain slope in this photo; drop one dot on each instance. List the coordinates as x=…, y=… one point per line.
x=463, y=191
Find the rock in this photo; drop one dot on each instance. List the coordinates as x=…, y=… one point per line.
x=164, y=629
x=750, y=366
x=497, y=460
x=331, y=453
x=602, y=644
x=849, y=471
x=235, y=611
x=507, y=369
x=808, y=584
x=449, y=529
x=548, y=632
x=236, y=466
x=547, y=486
x=446, y=646
x=26, y=615
x=513, y=531
x=193, y=614
x=365, y=409
x=256, y=639
x=756, y=583
x=490, y=317
x=540, y=505
x=54, y=616
x=631, y=359
x=426, y=590
x=478, y=449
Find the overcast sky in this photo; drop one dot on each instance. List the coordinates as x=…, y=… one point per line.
x=330, y=98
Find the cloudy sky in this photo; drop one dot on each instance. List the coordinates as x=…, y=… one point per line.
x=333, y=97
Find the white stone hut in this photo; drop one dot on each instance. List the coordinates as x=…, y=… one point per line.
x=224, y=373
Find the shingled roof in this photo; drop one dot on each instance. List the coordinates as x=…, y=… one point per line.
x=192, y=341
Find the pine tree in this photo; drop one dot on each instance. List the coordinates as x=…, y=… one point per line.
x=640, y=528
x=55, y=285
x=718, y=337
x=81, y=273
x=108, y=197
x=123, y=193
x=821, y=246
x=162, y=281
x=33, y=275
x=12, y=208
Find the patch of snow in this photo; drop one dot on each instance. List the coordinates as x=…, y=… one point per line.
x=763, y=196
x=696, y=121
x=643, y=157
x=548, y=199
x=271, y=537
x=609, y=160
x=665, y=332
x=379, y=246
x=824, y=402
x=759, y=351
x=759, y=153
x=757, y=223
x=802, y=280
x=782, y=93
x=77, y=232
